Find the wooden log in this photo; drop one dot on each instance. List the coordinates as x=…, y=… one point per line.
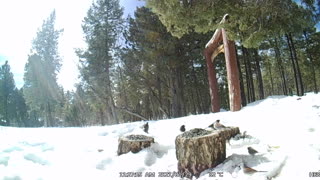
x=232, y=73
x=199, y=149
x=133, y=143
x=213, y=84
x=211, y=46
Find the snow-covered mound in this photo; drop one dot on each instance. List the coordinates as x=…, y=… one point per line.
x=285, y=131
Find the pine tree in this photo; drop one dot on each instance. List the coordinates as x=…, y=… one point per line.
x=162, y=76
x=250, y=21
x=41, y=89
x=102, y=28
x=7, y=90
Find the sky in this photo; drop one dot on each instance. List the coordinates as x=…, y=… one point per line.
x=20, y=21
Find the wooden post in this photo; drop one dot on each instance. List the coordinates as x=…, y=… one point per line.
x=213, y=85
x=232, y=73
x=211, y=51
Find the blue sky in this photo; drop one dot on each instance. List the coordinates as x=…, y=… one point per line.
x=2, y=59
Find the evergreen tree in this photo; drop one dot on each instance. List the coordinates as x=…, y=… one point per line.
x=161, y=76
x=7, y=92
x=102, y=28
x=250, y=21
x=41, y=89
x=20, y=109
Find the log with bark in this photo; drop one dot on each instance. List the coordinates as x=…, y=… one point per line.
x=200, y=149
x=133, y=143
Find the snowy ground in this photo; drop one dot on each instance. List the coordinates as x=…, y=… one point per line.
x=286, y=133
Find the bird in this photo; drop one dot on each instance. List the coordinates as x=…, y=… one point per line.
x=218, y=125
x=244, y=134
x=146, y=127
x=248, y=170
x=252, y=151
x=211, y=126
x=183, y=128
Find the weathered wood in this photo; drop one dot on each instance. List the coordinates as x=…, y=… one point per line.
x=217, y=51
x=199, y=149
x=133, y=143
x=232, y=73
x=212, y=49
x=213, y=85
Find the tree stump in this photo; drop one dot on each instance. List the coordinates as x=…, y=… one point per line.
x=133, y=143
x=199, y=149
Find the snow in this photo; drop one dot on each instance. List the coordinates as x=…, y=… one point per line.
x=285, y=131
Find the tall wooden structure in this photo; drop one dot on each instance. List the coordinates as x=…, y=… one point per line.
x=219, y=43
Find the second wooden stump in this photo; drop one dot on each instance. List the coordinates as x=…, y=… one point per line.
x=199, y=149
x=134, y=143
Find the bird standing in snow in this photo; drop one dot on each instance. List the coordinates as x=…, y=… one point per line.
x=218, y=125
x=252, y=151
x=183, y=128
x=248, y=170
x=146, y=127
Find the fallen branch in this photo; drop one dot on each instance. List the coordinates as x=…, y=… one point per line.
x=132, y=113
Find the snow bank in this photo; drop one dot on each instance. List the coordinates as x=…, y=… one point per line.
x=285, y=131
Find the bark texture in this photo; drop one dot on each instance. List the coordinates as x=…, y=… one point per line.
x=213, y=48
x=199, y=149
x=232, y=73
x=133, y=143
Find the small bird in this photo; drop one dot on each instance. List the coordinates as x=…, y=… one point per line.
x=248, y=170
x=211, y=126
x=244, y=134
x=183, y=128
x=146, y=127
x=218, y=125
x=252, y=151
x=100, y=150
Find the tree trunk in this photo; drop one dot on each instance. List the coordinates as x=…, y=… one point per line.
x=294, y=65
x=252, y=89
x=197, y=103
x=300, y=82
x=249, y=78
x=243, y=94
x=49, y=119
x=6, y=114
x=271, y=79
x=101, y=117
x=280, y=67
x=177, y=92
x=315, y=86
x=258, y=71
x=205, y=101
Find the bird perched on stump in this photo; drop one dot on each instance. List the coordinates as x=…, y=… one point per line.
x=218, y=125
x=183, y=128
x=252, y=151
x=146, y=127
x=211, y=126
